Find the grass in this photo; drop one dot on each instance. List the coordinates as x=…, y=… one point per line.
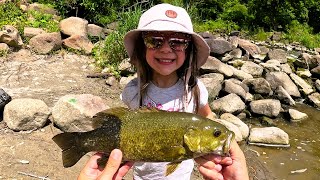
x=11, y=14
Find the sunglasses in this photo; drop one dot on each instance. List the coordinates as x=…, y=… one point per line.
x=177, y=41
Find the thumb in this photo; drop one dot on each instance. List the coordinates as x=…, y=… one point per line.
x=112, y=166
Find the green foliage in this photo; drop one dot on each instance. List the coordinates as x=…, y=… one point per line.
x=11, y=14
x=44, y=21
x=302, y=33
x=219, y=26
x=112, y=51
x=261, y=35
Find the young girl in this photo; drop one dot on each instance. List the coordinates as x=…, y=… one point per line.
x=167, y=55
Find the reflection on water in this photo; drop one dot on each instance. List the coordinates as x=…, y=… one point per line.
x=304, y=153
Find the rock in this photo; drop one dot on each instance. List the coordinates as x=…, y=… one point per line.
x=230, y=103
x=252, y=68
x=278, y=54
x=315, y=99
x=266, y=121
x=231, y=87
x=46, y=42
x=317, y=84
x=236, y=53
x=297, y=115
x=277, y=79
x=286, y=68
x=304, y=73
x=259, y=85
x=26, y=114
x=4, y=48
x=268, y=107
x=244, y=129
x=31, y=32
x=241, y=74
x=78, y=42
x=95, y=31
x=219, y=46
x=10, y=35
x=125, y=80
x=74, y=112
x=214, y=65
x=305, y=87
x=316, y=70
x=269, y=135
x=213, y=83
x=284, y=96
x=232, y=127
x=74, y=26
x=249, y=47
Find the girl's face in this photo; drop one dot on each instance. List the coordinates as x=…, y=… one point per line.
x=165, y=51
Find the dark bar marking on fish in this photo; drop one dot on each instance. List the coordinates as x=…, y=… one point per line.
x=74, y=145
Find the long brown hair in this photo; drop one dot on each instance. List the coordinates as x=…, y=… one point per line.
x=188, y=72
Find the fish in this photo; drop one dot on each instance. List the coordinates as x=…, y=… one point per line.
x=147, y=135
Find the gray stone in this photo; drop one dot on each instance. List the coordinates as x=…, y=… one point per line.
x=230, y=103
x=74, y=112
x=268, y=135
x=297, y=115
x=244, y=129
x=268, y=107
x=277, y=79
x=26, y=114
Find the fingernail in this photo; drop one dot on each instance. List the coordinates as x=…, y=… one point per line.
x=115, y=154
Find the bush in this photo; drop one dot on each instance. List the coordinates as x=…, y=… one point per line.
x=11, y=14
x=112, y=51
x=302, y=33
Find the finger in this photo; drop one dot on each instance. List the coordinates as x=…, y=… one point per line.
x=205, y=163
x=89, y=170
x=210, y=174
x=113, y=165
x=226, y=161
x=123, y=170
x=213, y=157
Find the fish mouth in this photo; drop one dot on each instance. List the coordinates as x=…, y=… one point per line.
x=226, y=147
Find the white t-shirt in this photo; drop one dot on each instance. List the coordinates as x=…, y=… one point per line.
x=169, y=99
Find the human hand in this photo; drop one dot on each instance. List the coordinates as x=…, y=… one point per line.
x=214, y=167
x=91, y=171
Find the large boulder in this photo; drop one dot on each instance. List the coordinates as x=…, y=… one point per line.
x=74, y=112
x=26, y=114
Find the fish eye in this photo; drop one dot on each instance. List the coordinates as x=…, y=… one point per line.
x=217, y=133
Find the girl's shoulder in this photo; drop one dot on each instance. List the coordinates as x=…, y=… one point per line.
x=130, y=92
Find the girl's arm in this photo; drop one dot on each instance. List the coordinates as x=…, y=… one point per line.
x=205, y=111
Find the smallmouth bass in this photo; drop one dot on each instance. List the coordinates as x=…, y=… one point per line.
x=147, y=135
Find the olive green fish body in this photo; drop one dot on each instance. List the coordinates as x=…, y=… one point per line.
x=148, y=136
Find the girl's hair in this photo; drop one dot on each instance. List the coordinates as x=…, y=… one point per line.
x=188, y=72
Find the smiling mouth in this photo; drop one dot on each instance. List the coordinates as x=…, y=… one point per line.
x=165, y=60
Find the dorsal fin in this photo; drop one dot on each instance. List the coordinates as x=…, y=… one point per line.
x=116, y=111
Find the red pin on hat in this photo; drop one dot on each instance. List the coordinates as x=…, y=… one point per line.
x=171, y=14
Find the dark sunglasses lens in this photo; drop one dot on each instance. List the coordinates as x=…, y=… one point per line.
x=178, y=44
x=153, y=42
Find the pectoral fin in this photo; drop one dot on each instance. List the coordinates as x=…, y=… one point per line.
x=192, y=140
x=171, y=167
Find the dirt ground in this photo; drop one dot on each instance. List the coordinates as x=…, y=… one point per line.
x=32, y=154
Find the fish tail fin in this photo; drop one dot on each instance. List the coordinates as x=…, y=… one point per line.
x=71, y=152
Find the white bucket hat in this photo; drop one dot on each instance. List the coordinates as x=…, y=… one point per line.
x=166, y=17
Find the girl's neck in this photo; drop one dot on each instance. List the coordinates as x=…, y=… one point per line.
x=165, y=81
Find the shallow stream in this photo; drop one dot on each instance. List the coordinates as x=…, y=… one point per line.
x=302, y=159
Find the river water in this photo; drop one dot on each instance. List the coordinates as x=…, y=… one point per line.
x=302, y=159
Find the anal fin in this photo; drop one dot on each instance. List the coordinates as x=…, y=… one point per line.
x=171, y=167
